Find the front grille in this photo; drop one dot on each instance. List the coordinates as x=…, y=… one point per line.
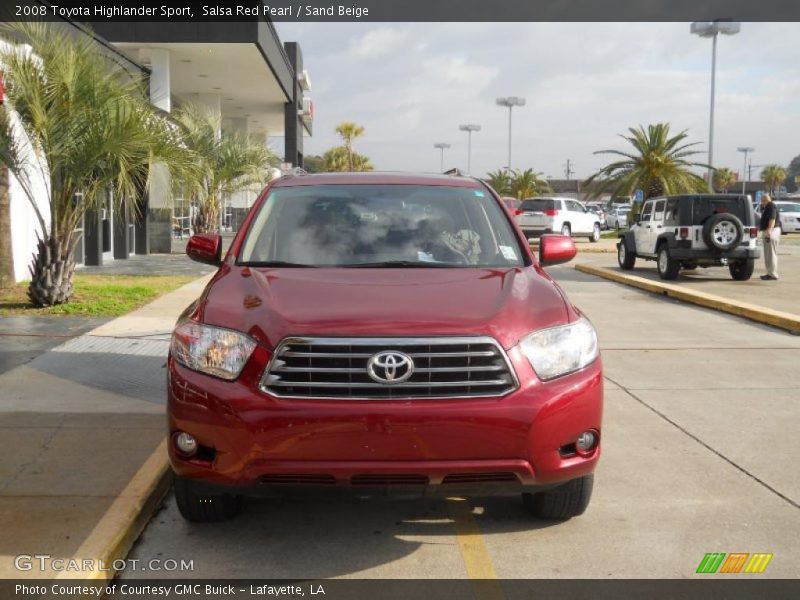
x=298, y=479
x=336, y=368
x=378, y=479
x=479, y=478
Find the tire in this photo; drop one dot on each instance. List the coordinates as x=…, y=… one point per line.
x=668, y=268
x=723, y=231
x=204, y=508
x=742, y=270
x=625, y=257
x=565, y=229
x=564, y=502
x=595, y=237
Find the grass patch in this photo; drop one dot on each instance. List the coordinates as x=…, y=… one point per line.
x=95, y=295
x=610, y=234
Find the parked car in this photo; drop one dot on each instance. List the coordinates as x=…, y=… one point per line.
x=691, y=231
x=382, y=333
x=618, y=216
x=511, y=203
x=600, y=212
x=538, y=216
x=790, y=216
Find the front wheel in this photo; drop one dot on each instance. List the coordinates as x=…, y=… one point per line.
x=625, y=258
x=667, y=267
x=595, y=237
x=196, y=506
x=565, y=230
x=742, y=270
x=565, y=501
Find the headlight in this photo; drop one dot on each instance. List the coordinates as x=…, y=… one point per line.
x=560, y=350
x=212, y=350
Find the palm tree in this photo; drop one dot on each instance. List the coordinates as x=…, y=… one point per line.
x=80, y=122
x=349, y=131
x=6, y=258
x=657, y=165
x=527, y=183
x=724, y=178
x=337, y=160
x=773, y=175
x=500, y=181
x=225, y=163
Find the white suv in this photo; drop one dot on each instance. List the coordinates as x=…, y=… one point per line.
x=703, y=230
x=566, y=216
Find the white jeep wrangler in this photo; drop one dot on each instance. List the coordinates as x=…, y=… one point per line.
x=700, y=230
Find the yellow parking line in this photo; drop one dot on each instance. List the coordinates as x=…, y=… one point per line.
x=477, y=561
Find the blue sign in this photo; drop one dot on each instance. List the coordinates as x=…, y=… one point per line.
x=758, y=196
x=638, y=196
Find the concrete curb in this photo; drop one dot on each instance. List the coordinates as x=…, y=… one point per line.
x=123, y=522
x=753, y=312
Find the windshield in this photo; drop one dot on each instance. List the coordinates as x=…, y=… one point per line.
x=788, y=207
x=380, y=225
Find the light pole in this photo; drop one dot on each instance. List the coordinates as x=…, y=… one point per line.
x=712, y=29
x=441, y=146
x=745, y=174
x=469, y=128
x=510, y=102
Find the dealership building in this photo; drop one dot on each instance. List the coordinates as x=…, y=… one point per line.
x=241, y=71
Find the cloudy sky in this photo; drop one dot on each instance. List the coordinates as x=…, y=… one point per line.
x=411, y=84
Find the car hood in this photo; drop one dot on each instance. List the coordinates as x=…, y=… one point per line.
x=270, y=304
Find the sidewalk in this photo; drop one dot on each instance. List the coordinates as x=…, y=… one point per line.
x=783, y=295
x=81, y=432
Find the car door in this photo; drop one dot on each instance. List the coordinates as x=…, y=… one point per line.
x=576, y=216
x=656, y=223
x=641, y=229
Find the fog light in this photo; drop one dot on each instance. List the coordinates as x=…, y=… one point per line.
x=586, y=442
x=186, y=444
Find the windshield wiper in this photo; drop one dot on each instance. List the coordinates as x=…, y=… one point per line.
x=277, y=263
x=399, y=263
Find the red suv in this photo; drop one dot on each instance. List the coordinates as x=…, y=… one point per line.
x=383, y=333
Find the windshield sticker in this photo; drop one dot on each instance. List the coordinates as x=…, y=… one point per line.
x=508, y=252
x=479, y=194
x=425, y=257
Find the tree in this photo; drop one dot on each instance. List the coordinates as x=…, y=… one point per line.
x=724, y=178
x=773, y=175
x=657, y=165
x=81, y=122
x=792, y=173
x=500, y=181
x=349, y=131
x=225, y=162
x=338, y=160
x=313, y=164
x=6, y=257
x=527, y=183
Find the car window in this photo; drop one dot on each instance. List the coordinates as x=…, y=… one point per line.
x=574, y=206
x=647, y=210
x=538, y=205
x=356, y=225
x=704, y=207
x=658, y=210
x=788, y=207
x=671, y=212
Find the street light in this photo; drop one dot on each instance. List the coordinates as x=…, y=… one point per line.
x=745, y=174
x=469, y=129
x=441, y=146
x=712, y=29
x=510, y=102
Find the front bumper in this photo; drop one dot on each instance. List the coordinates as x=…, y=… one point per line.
x=256, y=443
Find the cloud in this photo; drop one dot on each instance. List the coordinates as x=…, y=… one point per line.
x=412, y=84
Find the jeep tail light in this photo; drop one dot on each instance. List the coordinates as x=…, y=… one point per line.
x=753, y=232
x=683, y=232
x=551, y=212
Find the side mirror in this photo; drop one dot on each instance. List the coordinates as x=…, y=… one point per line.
x=556, y=249
x=205, y=248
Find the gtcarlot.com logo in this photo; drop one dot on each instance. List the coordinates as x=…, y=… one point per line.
x=736, y=562
x=45, y=562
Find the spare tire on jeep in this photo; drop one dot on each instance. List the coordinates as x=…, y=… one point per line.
x=723, y=231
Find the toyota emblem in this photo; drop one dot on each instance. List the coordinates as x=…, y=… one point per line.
x=390, y=367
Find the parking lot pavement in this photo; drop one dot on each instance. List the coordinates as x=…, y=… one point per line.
x=783, y=295
x=700, y=412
